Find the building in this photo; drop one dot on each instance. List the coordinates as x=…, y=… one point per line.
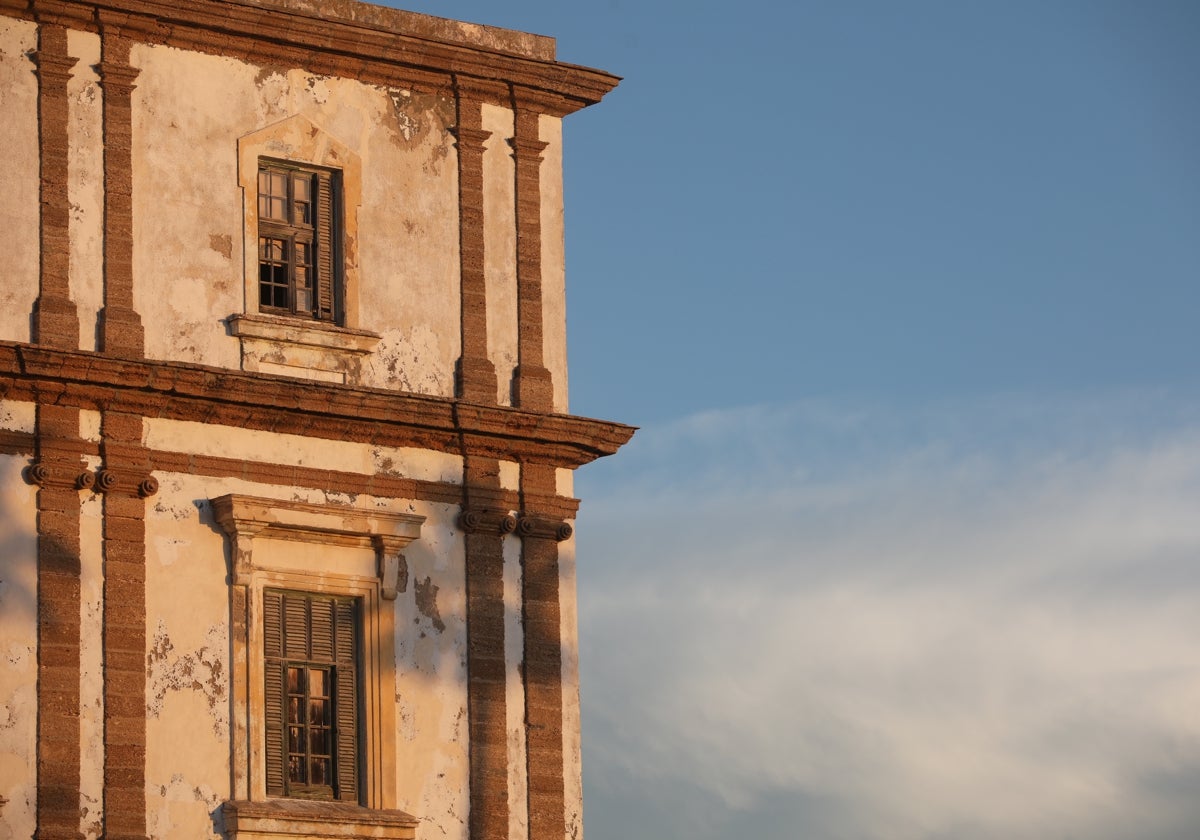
x=285, y=456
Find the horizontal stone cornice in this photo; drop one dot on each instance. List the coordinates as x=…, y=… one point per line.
x=347, y=42
x=315, y=409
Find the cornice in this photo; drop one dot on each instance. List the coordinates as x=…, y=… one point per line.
x=268, y=33
x=315, y=409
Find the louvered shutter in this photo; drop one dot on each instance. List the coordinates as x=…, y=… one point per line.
x=325, y=293
x=346, y=700
x=273, y=695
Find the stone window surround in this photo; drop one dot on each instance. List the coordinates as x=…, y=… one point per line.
x=251, y=812
x=315, y=345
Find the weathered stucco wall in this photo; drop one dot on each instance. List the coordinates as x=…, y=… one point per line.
x=188, y=660
x=572, y=751
x=500, y=247
x=554, y=293
x=85, y=183
x=18, y=635
x=190, y=266
x=431, y=679
x=19, y=198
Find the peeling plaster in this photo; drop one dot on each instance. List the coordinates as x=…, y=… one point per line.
x=426, y=592
x=183, y=807
x=200, y=671
x=222, y=243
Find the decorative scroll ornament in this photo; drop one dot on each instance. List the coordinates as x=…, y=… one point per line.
x=543, y=528
x=111, y=481
x=44, y=475
x=487, y=521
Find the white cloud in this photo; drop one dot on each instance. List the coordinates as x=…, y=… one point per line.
x=975, y=621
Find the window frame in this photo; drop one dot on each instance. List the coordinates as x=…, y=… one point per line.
x=340, y=721
x=299, y=142
x=370, y=577
x=312, y=287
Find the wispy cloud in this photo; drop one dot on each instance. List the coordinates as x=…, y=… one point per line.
x=976, y=620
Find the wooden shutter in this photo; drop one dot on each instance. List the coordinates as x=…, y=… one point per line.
x=325, y=264
x=273, y=696
x=346, y=699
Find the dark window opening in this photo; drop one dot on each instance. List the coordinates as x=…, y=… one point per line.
x=297, y=242
x=310, y=657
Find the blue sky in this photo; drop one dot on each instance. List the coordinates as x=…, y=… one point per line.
x=904, y=298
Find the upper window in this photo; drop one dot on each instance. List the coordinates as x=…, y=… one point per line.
x=311, y=695
x=298, y=240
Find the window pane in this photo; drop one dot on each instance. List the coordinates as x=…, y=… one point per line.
x=295, y=686
x=317, y=711
x=295, y=708
x=318, y=683
x=296, y=765
x=318, y=741
x=320, y=772
x=296, y=739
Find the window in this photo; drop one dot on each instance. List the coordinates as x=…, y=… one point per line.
x=297, y=241
x=311, y=694
x=313, y=713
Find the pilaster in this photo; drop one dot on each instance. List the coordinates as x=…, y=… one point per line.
x=476, y=373
x=121, y=330
x=55, y=316
x=532, y=385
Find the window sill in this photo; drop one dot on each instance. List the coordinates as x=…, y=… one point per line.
x=303, y=331
x=276, y=818
x=301, y=347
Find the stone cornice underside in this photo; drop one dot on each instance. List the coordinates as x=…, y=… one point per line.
x=333, y=412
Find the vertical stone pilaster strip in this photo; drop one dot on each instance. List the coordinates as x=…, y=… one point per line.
x=58, y=733
x=476, y=373
x=121, y=331
x=533, y=388
x=55, y=316
x=485, y=526
x=126, y=464
x=543, y=658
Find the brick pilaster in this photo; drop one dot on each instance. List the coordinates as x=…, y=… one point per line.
x=540, y=608
x=532, y=385
x=476, y=373
x=121, y=331
x=55, y=317
x=485, y=524
x=125, y=481
x=56, y=470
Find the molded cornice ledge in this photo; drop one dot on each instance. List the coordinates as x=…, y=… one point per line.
x=220, y=396
x=345, y=38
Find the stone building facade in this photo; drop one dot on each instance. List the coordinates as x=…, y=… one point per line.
x=285, y=455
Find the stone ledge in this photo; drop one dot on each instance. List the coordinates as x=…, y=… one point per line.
x=303, y=331
x=284, y=818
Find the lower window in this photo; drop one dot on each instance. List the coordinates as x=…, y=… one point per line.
x=310, y=659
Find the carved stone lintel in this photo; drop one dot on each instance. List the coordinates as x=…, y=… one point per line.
x=245, y=517
x=485, y=520
x=544, y=528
